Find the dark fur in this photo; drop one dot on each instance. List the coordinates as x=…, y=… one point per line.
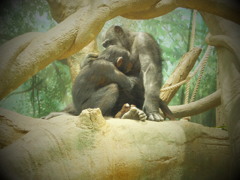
x=147, y=65
x=100, y=83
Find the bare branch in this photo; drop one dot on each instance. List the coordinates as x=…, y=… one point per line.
x=227, y=42
x=197, y=107
x=180, y=73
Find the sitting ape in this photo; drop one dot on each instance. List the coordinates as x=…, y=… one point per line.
x=101, y=82
x=146, y=57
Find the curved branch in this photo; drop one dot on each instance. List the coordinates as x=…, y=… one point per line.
x=228, y=9
x=227, y=42
x=34, y=51
x=197, y=107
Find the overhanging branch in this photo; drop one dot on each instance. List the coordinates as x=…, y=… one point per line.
x=228, y=9
x=227, y=42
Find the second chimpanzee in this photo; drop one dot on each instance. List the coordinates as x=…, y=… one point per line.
x=102, y=81
x=146, y=55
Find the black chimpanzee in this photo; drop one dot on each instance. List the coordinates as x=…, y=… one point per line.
x=146, y=56
x=102, y=81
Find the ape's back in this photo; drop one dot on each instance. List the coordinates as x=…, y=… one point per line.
x=91, y=78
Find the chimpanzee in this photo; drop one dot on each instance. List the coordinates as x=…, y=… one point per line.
x=136, y=96
x=101, y=84
x=102, y=81
x=146, y=56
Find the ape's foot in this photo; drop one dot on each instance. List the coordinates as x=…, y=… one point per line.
x=135, y=113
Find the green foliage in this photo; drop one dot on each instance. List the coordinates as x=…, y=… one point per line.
x=47, y=91
x=21, y=16
x=50, y=89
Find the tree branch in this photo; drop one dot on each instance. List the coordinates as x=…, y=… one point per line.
x=180, y=73
x=79, y=147
x=65, y=39
x=197, y=107
x=227, y=42
x=228, y=9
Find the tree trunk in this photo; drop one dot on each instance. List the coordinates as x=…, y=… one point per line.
x=228, y=61
x=220, y=120
x=89, y=147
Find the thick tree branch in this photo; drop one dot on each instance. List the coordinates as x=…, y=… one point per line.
x=228, y=9
x=227, y=42
x=180, y=73
x=197, y=107
x=88, y=146
x=41, y=49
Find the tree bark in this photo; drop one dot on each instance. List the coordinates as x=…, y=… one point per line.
x=229, y=43
x=89, y=147
x=197, y=107
x=228, y=9
x=180, y=73
x=229, y=74
x=58, y=43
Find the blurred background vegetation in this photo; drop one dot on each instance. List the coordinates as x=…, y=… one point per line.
x=50, y=89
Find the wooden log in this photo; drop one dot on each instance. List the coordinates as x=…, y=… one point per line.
x=181, y=72
x=197, y=107
x=89, y=147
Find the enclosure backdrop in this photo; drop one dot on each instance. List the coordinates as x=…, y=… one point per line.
x=42, y=44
